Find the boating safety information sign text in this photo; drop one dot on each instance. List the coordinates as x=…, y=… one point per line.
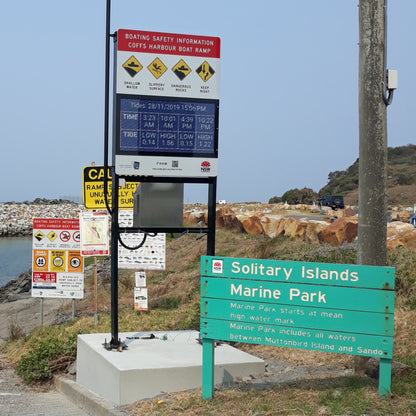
x=57, y=266
x=167, y=104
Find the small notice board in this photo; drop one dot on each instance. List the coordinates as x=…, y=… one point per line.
x=57, y=266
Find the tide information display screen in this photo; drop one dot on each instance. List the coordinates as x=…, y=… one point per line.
x=150, y=125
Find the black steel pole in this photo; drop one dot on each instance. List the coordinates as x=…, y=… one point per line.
x=106, y=100
x=212, y=196
x=114, y=260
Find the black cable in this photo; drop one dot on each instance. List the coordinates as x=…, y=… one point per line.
x=132, y=248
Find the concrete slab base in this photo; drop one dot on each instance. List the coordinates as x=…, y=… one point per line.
x=170, y=362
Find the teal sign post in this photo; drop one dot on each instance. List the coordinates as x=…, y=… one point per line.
x=314, y=306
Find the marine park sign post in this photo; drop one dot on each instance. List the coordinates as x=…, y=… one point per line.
x=313, y=306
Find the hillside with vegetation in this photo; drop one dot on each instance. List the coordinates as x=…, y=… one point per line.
x=401, y=178
x=174, y=299
x=401, y=182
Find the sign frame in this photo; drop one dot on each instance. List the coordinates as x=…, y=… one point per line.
x=270, y=302
x=178, y=60
x=57, y=264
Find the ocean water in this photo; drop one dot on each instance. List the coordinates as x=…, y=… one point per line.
x=15, y=257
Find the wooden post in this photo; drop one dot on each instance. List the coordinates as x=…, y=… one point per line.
x=95, y=291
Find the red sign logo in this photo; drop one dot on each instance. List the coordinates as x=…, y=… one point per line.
x=205, y=166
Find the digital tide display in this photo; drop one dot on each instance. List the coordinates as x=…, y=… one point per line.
x=165, y=127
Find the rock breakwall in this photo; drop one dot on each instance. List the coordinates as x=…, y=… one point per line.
x=16, y=219
x=332, y=227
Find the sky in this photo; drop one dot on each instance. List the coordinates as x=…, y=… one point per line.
x=288, y=90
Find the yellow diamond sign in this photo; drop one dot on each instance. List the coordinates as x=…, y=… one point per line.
x=52, y=236
x=181, y=69
x=39, y=235
x=157, y=68
x=205, y=71
x=132, y=66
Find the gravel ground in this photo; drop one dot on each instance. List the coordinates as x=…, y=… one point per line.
x=18, y=399
x=25, y=314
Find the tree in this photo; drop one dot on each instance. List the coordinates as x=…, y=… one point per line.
x=300, y=196
x=275, y=200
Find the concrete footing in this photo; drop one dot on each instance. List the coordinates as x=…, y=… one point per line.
x=168, y=362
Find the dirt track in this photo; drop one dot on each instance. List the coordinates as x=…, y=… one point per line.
x=25, y=313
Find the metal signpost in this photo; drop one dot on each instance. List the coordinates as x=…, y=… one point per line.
x=315, y=306
x=165, y=126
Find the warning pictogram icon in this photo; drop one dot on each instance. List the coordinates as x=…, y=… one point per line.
x=157, y=68
x=132, y=66
x=205, y=71
x=64, y=236
x=181, y=69
x=75, y=262
x=58, y=261
x=39, y=236
x=40, y=261
x=52, y=236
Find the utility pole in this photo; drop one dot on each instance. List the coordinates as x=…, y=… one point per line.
x=372, y=202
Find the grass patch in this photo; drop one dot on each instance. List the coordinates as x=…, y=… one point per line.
x=307, y=399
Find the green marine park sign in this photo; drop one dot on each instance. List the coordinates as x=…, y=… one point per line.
x=314, y=306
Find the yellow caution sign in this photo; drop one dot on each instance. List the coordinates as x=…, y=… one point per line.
x=93, y=186
x=181, y=69
x=205, y=71
x=52, y=236
x=157, y=68
x=132, y=66
x=39, y=236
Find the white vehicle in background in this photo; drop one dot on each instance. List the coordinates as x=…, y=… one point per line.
x=221, y=202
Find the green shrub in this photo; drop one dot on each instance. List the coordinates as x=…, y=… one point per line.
x=35, y=365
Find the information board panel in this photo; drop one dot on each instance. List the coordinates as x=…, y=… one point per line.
x=94, y=234
x=57, y=266
x=167, y=104
x=167, y=64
